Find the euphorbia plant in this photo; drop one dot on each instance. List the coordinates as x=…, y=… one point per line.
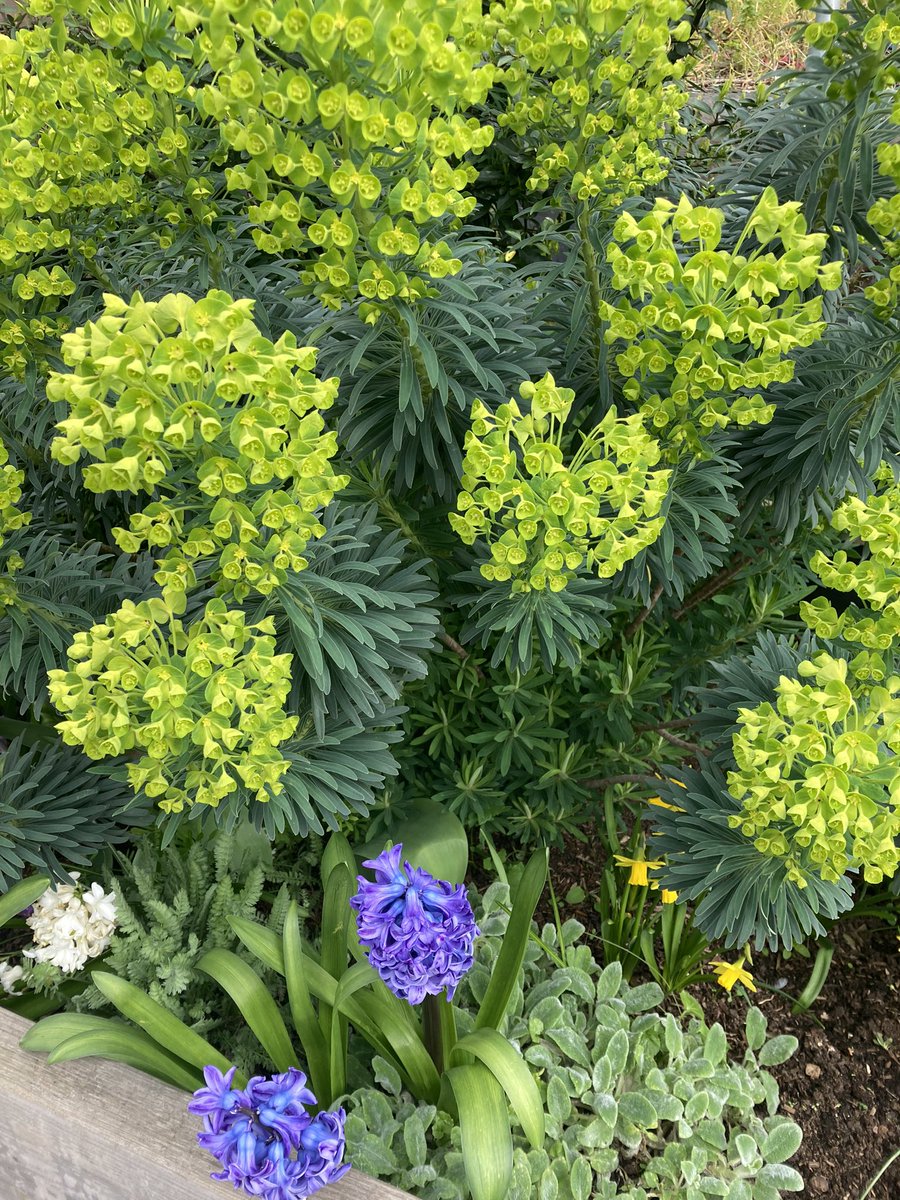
x=390, y=974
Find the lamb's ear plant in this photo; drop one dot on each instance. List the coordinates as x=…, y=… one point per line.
x=459, y=1061
x=639, y=1103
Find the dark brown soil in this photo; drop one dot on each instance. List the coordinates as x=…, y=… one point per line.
x=843, y=1084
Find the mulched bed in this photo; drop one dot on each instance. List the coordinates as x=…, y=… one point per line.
x=843, y=1084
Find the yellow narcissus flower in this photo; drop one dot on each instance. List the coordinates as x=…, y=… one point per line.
x=668, y=896
x=639, y=868
x=658, y=803
x=728, y=974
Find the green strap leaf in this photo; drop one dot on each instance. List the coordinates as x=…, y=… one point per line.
x=336, y=917
x=46, y=1035
x=264, y=943
x=336, y=914
x=386, y=1025
x=514, y=1076
x=354, y=980
x=337, y=850
x=20, y=895
x=256, y=1005
x=123, y=1044
x=385, y=1022
x=484, y=1130
x=303, y=1013
x=512, y=953
x=165, y=1028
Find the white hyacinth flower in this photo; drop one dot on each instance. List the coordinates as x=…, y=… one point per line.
x=10, y=975
x=70, y=927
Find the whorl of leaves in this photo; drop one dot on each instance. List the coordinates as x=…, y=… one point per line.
x=408, y=382
x=745, y=682
x=818, y=150
x=741, y=894
x=834, y=423
x=511, y=627
x=59, y=590
x=699, y=512
x=359, y=620
x=55, y=810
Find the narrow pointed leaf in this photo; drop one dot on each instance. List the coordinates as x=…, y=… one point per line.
x=122, y=1044
x=484, y=1128
x=173, y=1035
x=355, y=979
x=512, y=953
x=303, y=1013
x=393, y=1034
x=46, y=1035
x=20, y=895
x=514, y=1076
x=256, y=1005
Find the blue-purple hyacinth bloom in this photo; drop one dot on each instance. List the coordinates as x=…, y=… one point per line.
x=418, y=931
x=266, y=1141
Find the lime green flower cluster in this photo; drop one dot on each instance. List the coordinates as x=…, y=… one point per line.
x=858, y=43
x=186, y=401
x=80, y=132
x=704, y=328
x=357, y=156
x=864, y=59
x=204, y=703
x=817, y=788
x=875, y=579
x=11, y=482
x=884, y=217
x=590, y=87
x=544, y=517
x=818, y=774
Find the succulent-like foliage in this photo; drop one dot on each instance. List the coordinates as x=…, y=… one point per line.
x=614, y=1070
x=740, y=893
x=359, y=620
x=54, y=811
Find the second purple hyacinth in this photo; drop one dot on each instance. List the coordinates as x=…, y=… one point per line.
x=266, y=1141
x=419, y=932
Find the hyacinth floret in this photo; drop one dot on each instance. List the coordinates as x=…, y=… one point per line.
x=419, y=931
x=269, y=1145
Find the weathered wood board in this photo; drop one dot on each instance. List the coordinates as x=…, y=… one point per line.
x=96, y=1130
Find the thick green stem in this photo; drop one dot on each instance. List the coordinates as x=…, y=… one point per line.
x=439, y=1029
x=592, y=276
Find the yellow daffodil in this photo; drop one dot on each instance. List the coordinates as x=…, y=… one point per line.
x=728, y=974
x=668, y=896
x=658, y=803
x=639, y=868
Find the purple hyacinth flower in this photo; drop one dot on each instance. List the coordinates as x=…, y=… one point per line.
x=267, y=1143
x=281, y=1101
x=419, y=931
x=319, y=1162
x=217, y=1099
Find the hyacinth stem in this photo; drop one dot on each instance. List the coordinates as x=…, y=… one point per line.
x=438, y=1029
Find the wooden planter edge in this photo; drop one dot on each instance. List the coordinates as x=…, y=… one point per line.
x=97, y=1130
